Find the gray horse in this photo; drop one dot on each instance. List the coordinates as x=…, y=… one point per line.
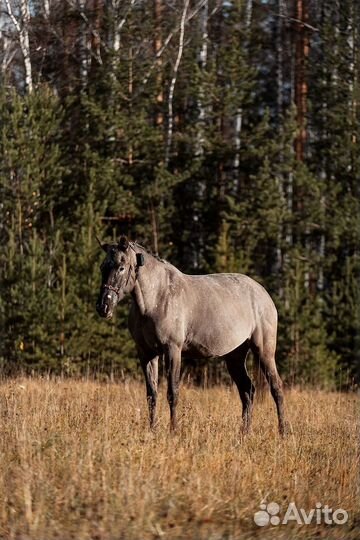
x=197, y=316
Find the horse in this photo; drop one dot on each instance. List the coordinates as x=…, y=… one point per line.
x=174, y=314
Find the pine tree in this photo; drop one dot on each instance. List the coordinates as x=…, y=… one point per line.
x=31, y=175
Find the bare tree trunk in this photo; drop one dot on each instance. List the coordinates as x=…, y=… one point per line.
x=322, y=136
x=173, y=82
x=335, y=22
x=322, y=246
x=301, y=88
x=117, y=23
x=70, y=32
x=83, y=46
x=279, y=102
x=46, y=7
x=22, y=28
x=117, y=31
x=25, y=43
x=63, y=279
x=97, y=15
x=289, y=188
x=130, y=91
x=280, y=59
x=301, y=92
x=248, y=14
x=159, y=116
x=353, y=42
x=158, y=11
x=7, y=55
x=239, y=112
x=201, y=126
x=202, y=60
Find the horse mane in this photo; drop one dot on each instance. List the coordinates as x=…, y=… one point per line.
x=157, y=257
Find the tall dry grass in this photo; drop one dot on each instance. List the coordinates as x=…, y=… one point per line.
x=78, y=461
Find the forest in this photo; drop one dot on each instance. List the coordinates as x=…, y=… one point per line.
x=222, y=135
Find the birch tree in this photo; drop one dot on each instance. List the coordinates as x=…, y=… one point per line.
x=239, y=112
x=118, y=18
x=46, y=8
x=170, y=124
x=202, y=61
x=158, y=44
x=20, y=18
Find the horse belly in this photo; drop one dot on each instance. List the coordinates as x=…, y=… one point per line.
x=217, y=339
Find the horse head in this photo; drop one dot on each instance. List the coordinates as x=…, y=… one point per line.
x=119, y=272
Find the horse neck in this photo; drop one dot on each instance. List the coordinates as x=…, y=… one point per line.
x=150, y=282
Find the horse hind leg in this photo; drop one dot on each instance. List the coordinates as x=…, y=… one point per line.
x=173, y=365
x=265, y=354
x=236, y=364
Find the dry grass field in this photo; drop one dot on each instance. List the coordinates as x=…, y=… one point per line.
x=78, y=462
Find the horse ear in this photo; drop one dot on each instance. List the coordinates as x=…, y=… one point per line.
x=123, y=243
x=100, y=244
x=105, y=247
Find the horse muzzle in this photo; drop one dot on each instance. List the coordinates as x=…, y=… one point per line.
x=104, y=311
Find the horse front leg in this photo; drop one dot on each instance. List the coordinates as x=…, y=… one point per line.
x=173, y=366
x=150, y=369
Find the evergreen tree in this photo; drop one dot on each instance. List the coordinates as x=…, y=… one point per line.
x=224, y=136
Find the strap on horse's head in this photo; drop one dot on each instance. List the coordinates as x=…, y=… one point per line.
x=140, y=260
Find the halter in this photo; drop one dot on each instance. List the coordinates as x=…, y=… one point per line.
x=111, y=288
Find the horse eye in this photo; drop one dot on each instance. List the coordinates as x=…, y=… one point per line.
x=121, y=268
